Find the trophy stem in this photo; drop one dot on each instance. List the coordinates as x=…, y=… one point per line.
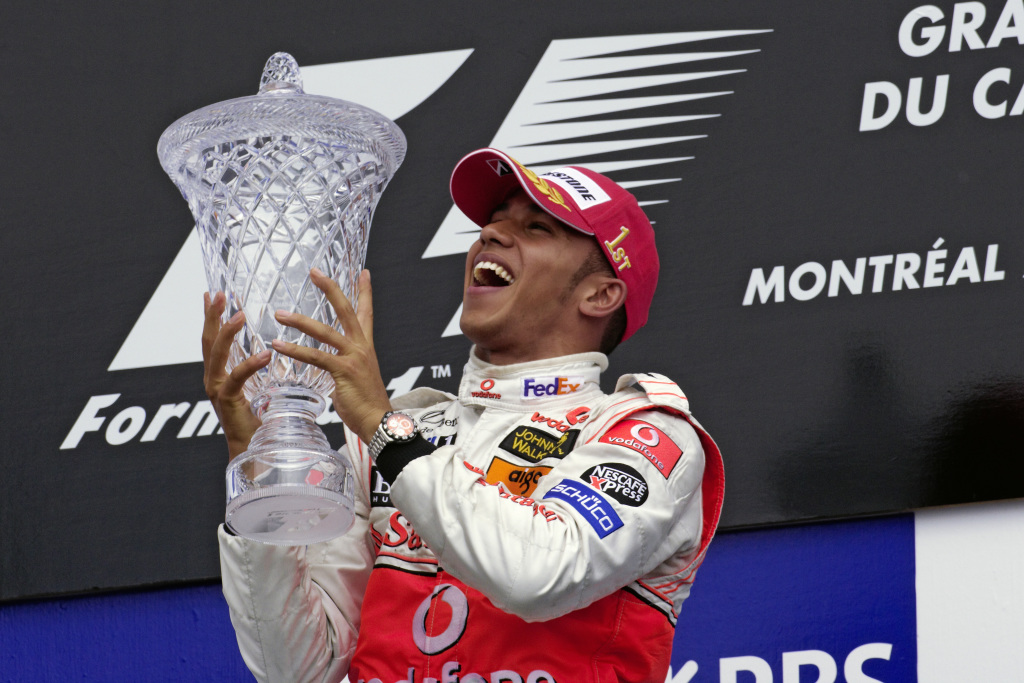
x=288, y=415
x=290, y=487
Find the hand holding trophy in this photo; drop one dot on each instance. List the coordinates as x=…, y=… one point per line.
x=280, y=183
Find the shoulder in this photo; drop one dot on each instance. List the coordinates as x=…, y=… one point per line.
x=421, y=397
x=644, y=393
x=647, y=414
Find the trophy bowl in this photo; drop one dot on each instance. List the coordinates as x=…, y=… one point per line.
x=280, y=183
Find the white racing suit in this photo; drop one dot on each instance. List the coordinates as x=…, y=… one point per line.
x=547, y=533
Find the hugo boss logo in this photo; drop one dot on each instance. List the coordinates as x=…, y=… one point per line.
x=620, y=482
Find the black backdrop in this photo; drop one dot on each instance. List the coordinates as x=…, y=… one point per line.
x=827, y=407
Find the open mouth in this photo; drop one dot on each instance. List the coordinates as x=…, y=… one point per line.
x=491, y=274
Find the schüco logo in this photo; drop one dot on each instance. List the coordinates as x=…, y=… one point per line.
x=593, y=507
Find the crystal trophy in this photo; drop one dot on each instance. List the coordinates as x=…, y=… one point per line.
x=279, y=183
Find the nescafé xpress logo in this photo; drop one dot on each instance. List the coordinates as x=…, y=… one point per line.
x=620, y=481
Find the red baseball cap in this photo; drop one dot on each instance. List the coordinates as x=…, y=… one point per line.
x=587, y=201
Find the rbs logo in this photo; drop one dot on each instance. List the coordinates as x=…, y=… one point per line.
x=827, y=669
x=538, y=387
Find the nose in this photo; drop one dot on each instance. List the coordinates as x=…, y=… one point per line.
x=497, y=232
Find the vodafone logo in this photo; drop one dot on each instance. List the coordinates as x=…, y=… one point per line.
x=485, y=390
x=646, y=434
x=647, y=440
x=427, y=616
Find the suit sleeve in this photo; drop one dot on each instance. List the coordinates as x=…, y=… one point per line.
x=295, y=609
x=613, y=510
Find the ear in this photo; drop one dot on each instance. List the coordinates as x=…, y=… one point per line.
x=603, y=297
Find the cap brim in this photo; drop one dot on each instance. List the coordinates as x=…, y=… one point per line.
x=483, y=179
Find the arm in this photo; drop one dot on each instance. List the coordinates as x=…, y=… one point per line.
x=296, y=610
x=572, y=543
x=537, y=558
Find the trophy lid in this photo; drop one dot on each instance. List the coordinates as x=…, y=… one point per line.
x=281, y=108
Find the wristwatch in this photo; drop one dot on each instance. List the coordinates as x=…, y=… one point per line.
x=394, y=427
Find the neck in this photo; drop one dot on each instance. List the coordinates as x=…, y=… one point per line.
x=512, y=355
x=499, y=349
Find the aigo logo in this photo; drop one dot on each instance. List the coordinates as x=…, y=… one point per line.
x=521, y=480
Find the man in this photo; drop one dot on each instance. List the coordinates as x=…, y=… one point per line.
x=532, y=529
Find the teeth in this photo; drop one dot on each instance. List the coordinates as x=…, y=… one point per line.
x=495, y=268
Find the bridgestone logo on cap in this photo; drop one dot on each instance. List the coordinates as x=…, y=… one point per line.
x=585, y=191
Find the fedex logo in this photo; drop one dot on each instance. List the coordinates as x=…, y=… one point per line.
x=539, y=387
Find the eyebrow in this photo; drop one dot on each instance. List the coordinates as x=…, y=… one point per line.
x=534, y=208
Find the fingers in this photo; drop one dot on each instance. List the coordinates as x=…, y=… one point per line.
x=243, y=371
x=212, y=311
x=311, y=328
x=306, y=354
x=342, y=306
x=215, y=360
x=365, y=314
x=225, y=336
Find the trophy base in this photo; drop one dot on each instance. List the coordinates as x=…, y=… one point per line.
x=289, y=515
x=290, y=487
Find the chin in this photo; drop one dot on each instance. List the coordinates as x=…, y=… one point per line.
x=480, y=333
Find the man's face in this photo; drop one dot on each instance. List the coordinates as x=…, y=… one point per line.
x=517, y=300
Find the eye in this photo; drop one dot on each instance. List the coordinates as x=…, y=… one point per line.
x=542, y=227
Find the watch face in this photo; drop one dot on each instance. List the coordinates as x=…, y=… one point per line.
x=400, y=426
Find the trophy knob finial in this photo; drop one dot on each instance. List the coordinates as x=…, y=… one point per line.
x=281, y=74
